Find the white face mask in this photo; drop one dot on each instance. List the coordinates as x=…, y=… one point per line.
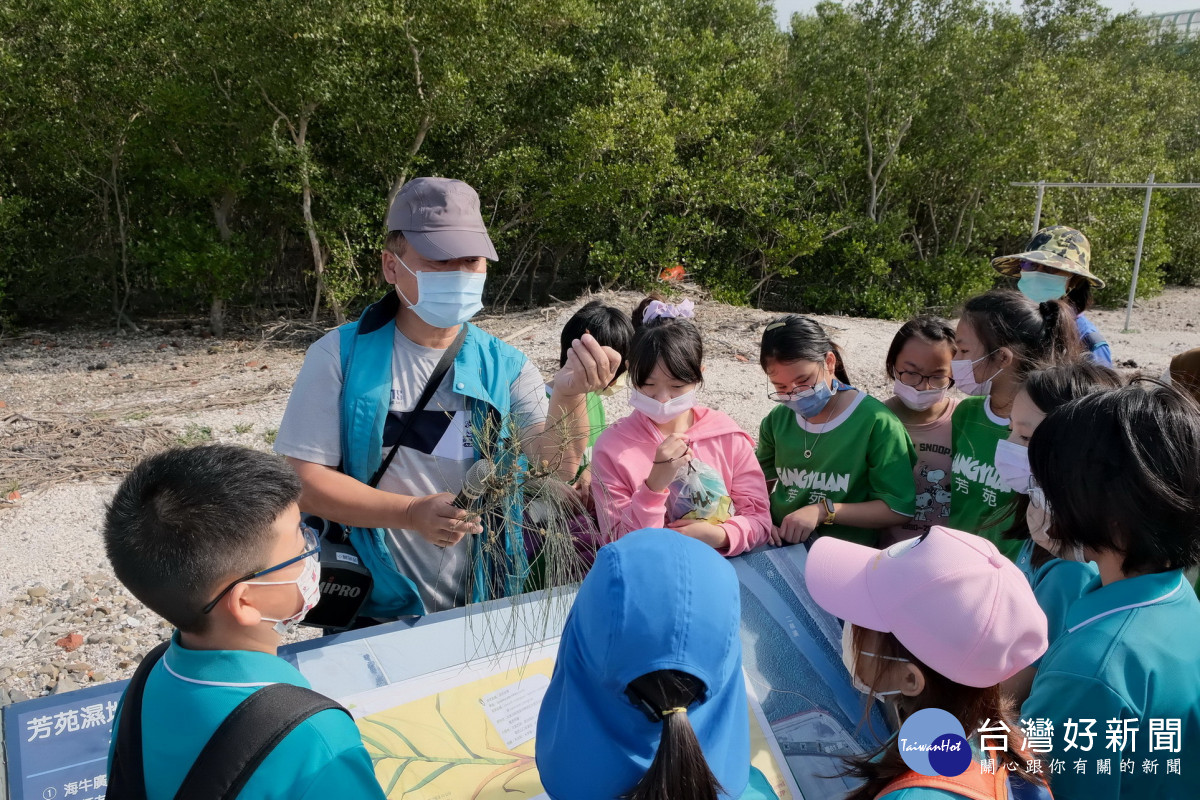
x=309, y=584
x=918, y=400
x=848, y=662
x=964, y=376
x=1037, y=519
x=662, y=413
x=1012, y=462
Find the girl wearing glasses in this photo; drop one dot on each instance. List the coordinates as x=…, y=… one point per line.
x=840, y=461
x=919, y=363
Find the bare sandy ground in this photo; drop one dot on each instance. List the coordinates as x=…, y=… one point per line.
x=80, y=406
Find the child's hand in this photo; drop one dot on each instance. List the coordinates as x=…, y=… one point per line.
x=590, y=367
x=712, y=535
x=799, y=525
x=668, y=458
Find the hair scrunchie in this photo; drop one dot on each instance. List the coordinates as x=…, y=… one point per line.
x=658, y=309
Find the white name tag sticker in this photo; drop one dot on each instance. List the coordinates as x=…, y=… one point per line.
x=347, y=557
x=513, y=710
x=455, y=443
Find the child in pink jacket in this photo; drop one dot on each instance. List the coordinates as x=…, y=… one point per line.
x=673, y=463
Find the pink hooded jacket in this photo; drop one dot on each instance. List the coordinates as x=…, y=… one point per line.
x=623, y=457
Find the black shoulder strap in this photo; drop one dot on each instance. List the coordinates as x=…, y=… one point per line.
x=435, y=380
x=127, y=778
x=246, y=737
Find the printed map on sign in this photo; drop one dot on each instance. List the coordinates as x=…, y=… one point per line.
x=468, y=732
x=473, y=740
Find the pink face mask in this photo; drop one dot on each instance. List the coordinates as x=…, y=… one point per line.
x=661, y=413
x=963, y=371
x=916, y=399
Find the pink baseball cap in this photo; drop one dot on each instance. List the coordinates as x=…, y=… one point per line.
x=950, y=597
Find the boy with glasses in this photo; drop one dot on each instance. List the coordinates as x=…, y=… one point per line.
x=210, y=538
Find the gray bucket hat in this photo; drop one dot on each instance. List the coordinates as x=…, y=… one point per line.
x=440, y=217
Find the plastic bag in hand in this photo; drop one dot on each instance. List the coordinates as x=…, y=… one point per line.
x=699, y=492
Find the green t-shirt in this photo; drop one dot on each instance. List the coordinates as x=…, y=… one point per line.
x=978, y=498
x=597, y=422
x=862, y=454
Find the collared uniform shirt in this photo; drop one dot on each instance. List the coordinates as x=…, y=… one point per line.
x=1130, y=655
x=190, y=692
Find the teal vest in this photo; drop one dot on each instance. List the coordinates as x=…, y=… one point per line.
x=483, y=371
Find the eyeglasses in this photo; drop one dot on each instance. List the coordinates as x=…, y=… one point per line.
x=312, y=546
x=798, y=388
x=1037, y=497
x=915, y=379
x=1030, y=266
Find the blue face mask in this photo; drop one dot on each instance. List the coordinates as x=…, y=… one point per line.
x=810, y=402
x=1042, y=286
x=446, y=299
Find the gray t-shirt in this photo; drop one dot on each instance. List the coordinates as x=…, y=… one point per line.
x=433, y=458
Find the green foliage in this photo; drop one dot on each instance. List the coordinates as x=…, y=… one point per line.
x=195, y=434
x=200, y=155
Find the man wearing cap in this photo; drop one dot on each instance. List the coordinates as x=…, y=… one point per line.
x=359, y=385
x=1056, y=264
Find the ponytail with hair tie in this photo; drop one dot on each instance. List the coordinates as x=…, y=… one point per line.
x=679, y=768
x=1060, y=337
x=1035, y=333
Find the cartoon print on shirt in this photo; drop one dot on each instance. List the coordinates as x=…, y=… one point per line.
x=942, y=495
x=924, y=502
x=933, y=492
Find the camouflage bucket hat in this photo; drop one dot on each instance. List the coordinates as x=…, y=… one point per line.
x=1056, y=246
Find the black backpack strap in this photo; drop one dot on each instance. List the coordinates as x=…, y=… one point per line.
x=435, y=380
x=127, y=779
x=247, y=736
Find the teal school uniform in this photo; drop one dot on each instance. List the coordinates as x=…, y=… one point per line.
x=1129, y=652
x=759, y=788
x=922, y=794
x=190, y=692
x=1056, y=584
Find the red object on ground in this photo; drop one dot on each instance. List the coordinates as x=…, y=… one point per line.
x=673, y=274
x=71, y=641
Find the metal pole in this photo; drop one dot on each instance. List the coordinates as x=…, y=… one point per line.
x=1037, y=212
x=1137, y=258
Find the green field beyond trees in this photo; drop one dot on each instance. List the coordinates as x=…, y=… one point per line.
x=236, y=157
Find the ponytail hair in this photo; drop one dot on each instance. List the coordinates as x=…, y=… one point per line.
x=794, y=337
x=1035, y=332
x=639, y=311
x=679, y=768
